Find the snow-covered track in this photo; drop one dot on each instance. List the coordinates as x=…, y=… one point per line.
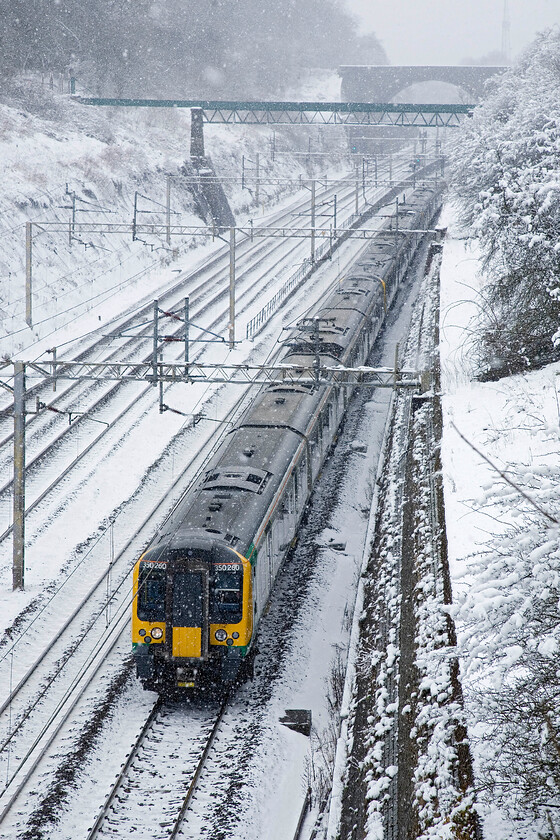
x=175, y=292
x=129, y=398
x=152, y=793
x=62, y=436
x=73, y=646
x=110, y=410
x=195, y=283
x=37, y=748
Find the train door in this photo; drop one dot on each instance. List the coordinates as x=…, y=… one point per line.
x=270, y=555
x=187, y=606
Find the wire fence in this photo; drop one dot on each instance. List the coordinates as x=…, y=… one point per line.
x=300, y=276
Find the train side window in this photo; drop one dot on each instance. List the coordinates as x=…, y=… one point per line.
x=291, y=498
x=269, y=552
x=302, y=474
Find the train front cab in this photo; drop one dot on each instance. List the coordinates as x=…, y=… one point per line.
x=192, y=617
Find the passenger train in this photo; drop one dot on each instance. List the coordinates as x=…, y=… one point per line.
x=200, y=589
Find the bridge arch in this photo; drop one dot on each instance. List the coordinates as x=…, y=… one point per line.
x=381, y=83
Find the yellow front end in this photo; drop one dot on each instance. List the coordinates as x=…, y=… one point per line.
x=187, y=642
x=142, y=630
x=238, y=635
x=162, y=650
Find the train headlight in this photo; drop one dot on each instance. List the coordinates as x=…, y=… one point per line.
x=220, y=635
x=157, y=633
x=235, y=635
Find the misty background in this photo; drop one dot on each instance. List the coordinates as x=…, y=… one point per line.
x=449, y=32
x=251, y=48
x=181, y=48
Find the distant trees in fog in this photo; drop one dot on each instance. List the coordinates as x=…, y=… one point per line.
x=202, y=48
x=506, y=164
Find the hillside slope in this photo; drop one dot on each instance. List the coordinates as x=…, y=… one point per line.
x=58, y=155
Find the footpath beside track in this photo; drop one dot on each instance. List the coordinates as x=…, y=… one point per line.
x=409, y=768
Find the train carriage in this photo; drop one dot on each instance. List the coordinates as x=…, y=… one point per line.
x=200, y=589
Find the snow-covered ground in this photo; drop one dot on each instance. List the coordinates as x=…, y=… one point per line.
x=511, y=427
x=514, y=422
x=56, y=154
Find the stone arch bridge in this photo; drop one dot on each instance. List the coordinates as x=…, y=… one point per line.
x=381, y=83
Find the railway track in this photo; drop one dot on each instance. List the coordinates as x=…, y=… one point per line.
x=83, y=612
x=207, y=289
x=87, y=618
x=152, y=793
x=32, y=700
x=98, y=407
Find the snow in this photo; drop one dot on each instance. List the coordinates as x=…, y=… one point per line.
x=98, y=157
x=285, y=762
x=514, y=423
x=511, y=426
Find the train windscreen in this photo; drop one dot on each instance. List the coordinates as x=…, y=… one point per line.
x=226, y=592
x=151, y=593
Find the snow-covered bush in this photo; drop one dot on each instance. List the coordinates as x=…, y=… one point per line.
x=511, y=656
x=505, y=172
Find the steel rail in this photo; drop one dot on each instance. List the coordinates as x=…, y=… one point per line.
x=124, y=773
x=198, y=772
x=93, y=831
x=101, y=655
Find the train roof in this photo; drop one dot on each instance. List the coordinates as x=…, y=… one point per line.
x=231, y=500
x=232, y=497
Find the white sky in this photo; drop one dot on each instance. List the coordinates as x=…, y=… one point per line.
x=446, y=31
